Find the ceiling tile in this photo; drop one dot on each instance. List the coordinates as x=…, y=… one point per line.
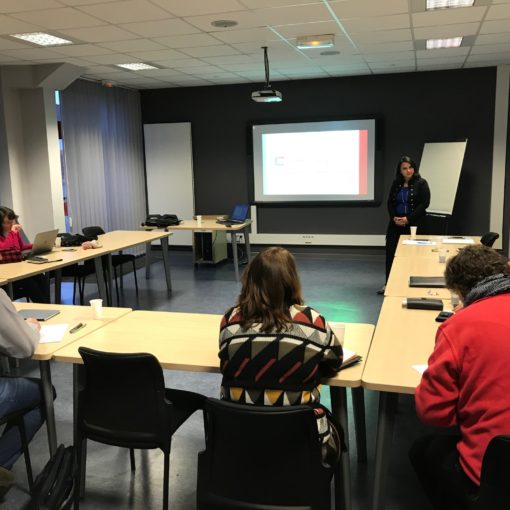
x=491, y=27
x=9, y=6
x=345, y=67
x=259, y=35
x=10, y=25
x=230, y=59
x=383, y=36
x=260, y=4
x=443, y=52
x=389, y=57
x=448, y=16
x=498, y=12
x=245, y=19
x=210, y=51
x=408, y=62
x=159, y=73
x=323, y=27
x=166, y=54
x=84, y=2
x=273, y=47
x=133, y=45
x=293, y=15
x=441, y=60
x=493, y=57
x=98, y=34
x=207, y=69
x=160, y=28
x=6, y=58
x=376, y=23
x=114, y=58
x=126, y=11
x=81, y=50
x=33, y=54
x=8, y=43
x=67, y=17
x=360, y=8
x=493, y=38
x=481, y=49
x=387, y=47
x=188, y=41
x=181, y=62
x=199, y=7
x=443, y=31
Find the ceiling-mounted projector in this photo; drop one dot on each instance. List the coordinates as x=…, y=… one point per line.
x=268, y=94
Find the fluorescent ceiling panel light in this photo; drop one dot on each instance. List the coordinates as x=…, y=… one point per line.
x=42, y=39
x=137, y=66
x=307, y=42
x=448, y=4
x=453, y=42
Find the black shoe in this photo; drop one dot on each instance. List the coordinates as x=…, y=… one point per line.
x=381, y=290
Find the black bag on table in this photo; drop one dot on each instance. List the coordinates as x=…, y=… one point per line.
x=54, y=486
x=67, y=240
x=161, y=220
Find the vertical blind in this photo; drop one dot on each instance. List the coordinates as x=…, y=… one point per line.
x=103, y=146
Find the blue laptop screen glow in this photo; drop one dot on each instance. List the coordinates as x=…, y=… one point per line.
x=240, y=212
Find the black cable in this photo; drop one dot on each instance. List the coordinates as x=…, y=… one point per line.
x=266, y=65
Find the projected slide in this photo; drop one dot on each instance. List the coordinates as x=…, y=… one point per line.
x=314, y=161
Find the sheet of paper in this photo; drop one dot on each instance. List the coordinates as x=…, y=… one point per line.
x=458, y=240
x=420, y=368
x=51, y=333
x=419, y=242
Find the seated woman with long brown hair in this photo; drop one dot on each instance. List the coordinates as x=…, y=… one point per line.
x=274, y=349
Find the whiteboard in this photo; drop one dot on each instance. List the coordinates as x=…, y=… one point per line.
x=440, y=166
x=169, y=169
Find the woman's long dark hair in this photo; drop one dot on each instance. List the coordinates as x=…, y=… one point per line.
x=270, y=287
x=406, y=159
x=5, y=212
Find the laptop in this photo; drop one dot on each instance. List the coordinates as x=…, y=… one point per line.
x=43, y=243
x=238, y=216
x=40, y=315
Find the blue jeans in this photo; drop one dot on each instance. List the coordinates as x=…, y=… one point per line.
x=17, y=393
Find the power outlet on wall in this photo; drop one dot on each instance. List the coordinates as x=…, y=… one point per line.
x=239, y=238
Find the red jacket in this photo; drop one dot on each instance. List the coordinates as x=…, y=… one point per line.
x=467, y=382
x=12, y=241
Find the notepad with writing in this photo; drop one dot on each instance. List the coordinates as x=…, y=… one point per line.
x=458, y=240
x=427, y=281
x=350, y=358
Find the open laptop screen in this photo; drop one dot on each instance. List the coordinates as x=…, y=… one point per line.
x=240, y=212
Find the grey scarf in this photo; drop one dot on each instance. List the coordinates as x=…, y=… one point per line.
x=489, y=286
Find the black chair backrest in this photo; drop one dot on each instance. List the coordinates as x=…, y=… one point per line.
x=92, y=231
x=262, y=457
x=122, y=400
x=489, y=239
x=494, y=484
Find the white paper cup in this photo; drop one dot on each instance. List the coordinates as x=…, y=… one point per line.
x=442, y=254
x=339, y=330
x=97, y=308
x=58, y=242
x=199, y=219
x=413, y=231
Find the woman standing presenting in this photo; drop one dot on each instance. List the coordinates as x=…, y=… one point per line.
x=407, y=206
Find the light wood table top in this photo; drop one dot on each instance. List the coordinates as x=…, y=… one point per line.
x=357, y=338
x=190, y=341
x=404, y=267
x=71, y=315
x=121, y=239
x=429, y=250
x=403, y=338
x=207, y=224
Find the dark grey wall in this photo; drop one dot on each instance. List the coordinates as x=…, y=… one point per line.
x=411, y=109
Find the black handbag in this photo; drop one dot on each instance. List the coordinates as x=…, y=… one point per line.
x=161, y=220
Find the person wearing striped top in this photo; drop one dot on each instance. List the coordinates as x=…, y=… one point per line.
x=274, y=350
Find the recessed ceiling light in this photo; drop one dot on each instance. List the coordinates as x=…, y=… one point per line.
x=42, y=39
x=307, y=42
x=137, y=66
x=453, y=42
x=329, y=53
x=448, y=4
x=224, y=23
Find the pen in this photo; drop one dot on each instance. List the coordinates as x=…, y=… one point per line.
x=78, y=326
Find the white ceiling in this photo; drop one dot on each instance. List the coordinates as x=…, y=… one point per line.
x=373, y=37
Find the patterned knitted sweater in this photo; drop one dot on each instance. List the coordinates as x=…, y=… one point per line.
x=277, y=368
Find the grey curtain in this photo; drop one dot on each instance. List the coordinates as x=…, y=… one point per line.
x=103, y=146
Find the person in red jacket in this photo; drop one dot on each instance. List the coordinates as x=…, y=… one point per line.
x=466, y=384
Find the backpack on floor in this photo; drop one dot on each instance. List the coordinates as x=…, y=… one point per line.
x=54, y=486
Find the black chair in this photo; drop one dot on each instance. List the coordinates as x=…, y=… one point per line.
x=494, y=491
x=262, y=458
x=489, y=239
x=117, y=260
x=124, y=402
x=16, y=419
x=79, y=273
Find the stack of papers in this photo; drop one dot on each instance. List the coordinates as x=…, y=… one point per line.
x=419, y=242
x=52, y=333
x=458, y=240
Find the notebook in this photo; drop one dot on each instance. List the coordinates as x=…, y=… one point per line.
x=436, y=282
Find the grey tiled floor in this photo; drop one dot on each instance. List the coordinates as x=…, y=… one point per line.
x=342, y=286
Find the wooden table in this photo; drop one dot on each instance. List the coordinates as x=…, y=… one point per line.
x=402, y=338
x=211, y=225
x=71, y=315
x=429, y=250
x=404, y=267
x=189, y=341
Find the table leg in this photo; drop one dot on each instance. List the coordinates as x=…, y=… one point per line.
x=147, y=260
x=109, y=286
x=98, y=264
x=47, y=389
x=166, y=262
x=386, y=422
x=233, y=238
x=58, y=286
x=247, y=243
x=78, y=374
x=343, y=472
x=10, y=290
x=358, y=407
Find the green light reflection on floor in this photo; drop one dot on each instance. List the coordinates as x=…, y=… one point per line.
x=339, y=311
